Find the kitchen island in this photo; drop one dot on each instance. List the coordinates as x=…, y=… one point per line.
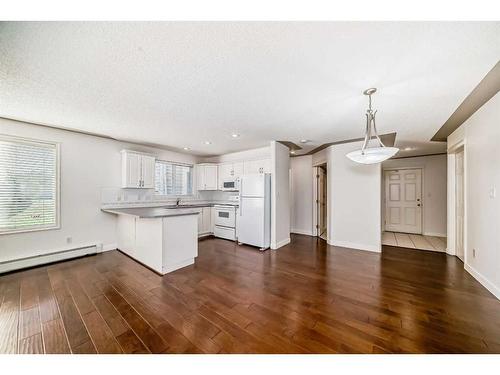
x=163, y=239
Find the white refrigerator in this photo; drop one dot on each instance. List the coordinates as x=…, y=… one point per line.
x=253, y=219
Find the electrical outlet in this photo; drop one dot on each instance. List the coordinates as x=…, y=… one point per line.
x=493, y=193
x=473, y=253
x=69, y=239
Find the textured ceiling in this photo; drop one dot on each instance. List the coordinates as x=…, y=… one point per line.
x=180, y=84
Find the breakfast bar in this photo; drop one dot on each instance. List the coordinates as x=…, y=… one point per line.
x=163, y=239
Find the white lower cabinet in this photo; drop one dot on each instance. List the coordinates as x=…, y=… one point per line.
x=163, y=244
x=205, y=221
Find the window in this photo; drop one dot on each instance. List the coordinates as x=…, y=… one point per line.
x=173, y=179
x=29, y=191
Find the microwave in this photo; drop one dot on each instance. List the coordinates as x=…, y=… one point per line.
x=230, y=185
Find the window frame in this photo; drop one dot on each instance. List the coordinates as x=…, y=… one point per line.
x=170, y=196
x=57, y=145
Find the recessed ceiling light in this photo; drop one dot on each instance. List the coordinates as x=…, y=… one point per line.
x=208, y=142
x=234, y=135
x=304, y=140
x=292, y=152
x=408, y=149
x=186, y=148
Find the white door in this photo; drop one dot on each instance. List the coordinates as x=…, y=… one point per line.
x=250, y=221
x=200, y=222
x=207, y=219
x=257, y=166
x=148, y=171
x=131, y=170
x=237, y=169
x=403, y=201
x=224, y=173
x=200, y=177
x=252, y=185
x=321, y=202
x=210, y=177
x=459, y=203
x=266, y=165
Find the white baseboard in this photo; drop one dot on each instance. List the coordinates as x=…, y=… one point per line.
x=434, y=234
x=281, y=243
x=175, y=266
x=109, y=247
x=40, y=259
x=302, y=231
x=483, y=280
x=355, y=246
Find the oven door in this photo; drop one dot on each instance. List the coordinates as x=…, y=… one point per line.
x=225, y=217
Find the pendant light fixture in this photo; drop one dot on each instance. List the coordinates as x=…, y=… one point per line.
x=371, y=155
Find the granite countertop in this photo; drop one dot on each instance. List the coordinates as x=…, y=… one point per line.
x=152, y=212
x=192, y=204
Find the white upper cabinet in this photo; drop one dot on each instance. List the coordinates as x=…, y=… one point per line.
x=225, y=170
x=257, y=166
x=137, y=170
x=238, y=169
x=206, y=177
x=229, y=171
x=148, y=171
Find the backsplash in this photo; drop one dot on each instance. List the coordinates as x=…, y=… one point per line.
x=118, y=197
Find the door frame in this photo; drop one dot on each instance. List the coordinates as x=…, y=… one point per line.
x=315, y=228
x=451, y=248
x=422, y=182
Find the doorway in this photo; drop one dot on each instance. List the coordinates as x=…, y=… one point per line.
x=321, y=201
x=403, y=200
x=459, y=203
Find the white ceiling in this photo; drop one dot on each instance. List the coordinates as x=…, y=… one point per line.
x=180, y=84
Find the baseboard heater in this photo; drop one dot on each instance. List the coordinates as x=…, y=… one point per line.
x=38, y=260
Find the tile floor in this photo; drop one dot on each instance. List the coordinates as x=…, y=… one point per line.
x=414, y=241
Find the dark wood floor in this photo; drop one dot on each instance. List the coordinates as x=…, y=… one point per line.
x=306, y=297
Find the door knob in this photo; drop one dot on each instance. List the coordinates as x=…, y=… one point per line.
x=418, y=205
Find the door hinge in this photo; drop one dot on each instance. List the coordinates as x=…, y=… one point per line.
x=317, y=226
x=317, y=176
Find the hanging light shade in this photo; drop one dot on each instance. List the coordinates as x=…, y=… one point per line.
x=371, y=155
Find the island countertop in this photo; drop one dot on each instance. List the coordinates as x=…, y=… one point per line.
x=152, y=212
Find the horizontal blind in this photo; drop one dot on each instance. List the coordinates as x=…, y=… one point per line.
x=173, y=179
x=28, y=185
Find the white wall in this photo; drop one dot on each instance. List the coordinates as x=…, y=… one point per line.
x=88, y=164
x=434, y=190
x=481, y=137
x=301, y=195
x=280, y=195
x=354, y=200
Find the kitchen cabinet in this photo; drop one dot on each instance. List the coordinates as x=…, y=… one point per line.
x=257, y=166
x=206, y=177
x=205, y=221
x=229, y=171
x=137, y=170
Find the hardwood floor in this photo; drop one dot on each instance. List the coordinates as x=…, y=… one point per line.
x=307, y=297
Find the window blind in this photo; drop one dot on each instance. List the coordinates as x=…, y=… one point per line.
x=28, y=185
x=173, y=179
